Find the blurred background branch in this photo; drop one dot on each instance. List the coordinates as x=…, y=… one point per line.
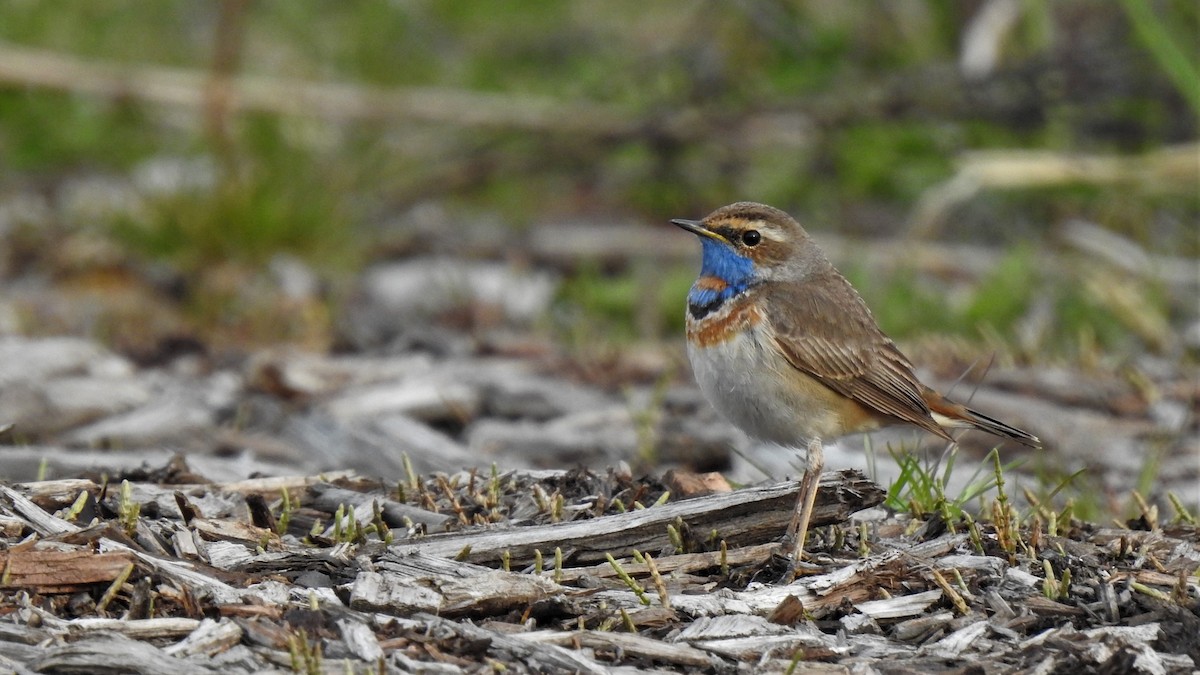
x=191, y=144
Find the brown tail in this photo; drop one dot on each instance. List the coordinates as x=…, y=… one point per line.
x=951, y=414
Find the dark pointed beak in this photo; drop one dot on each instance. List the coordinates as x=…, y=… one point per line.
x=697, y=227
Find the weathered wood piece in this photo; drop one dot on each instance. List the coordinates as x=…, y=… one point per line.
x=540, y=657
x=59, y=571
x=680, y=655
x=745, y=517
x=114, y=652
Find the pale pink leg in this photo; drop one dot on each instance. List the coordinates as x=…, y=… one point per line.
x=797, y=530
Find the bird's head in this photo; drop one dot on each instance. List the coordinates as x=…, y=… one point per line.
x=746, y=242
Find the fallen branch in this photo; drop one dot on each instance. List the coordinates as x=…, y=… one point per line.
x=334, y=101
x=742, y=518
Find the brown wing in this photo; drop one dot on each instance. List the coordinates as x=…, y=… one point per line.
x=828, y=332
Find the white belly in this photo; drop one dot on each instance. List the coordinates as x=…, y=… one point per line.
x=752, y=387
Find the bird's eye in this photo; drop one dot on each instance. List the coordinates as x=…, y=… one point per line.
x=751, y=237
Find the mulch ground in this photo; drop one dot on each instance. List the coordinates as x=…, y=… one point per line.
x=571, y=571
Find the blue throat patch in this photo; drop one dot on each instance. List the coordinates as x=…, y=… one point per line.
x=724, y=263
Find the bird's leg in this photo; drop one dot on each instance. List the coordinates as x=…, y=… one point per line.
x=797, y=530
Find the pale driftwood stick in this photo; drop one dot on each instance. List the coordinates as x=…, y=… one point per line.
x=540, y=657
x=140, y=629
x=756, y=647
x=855, y=582
x=326, y=497
x=900, y=606
x=209, y=637
x=43, y=523
x=113, y=652
x=742, y=518
x=488, y=593
x=1122, y=252
x=1172, y=168
x=648, y=648
x=189, y=88
x=14, y=666
x=273, y=485
x=61, y=492
x=684, y=562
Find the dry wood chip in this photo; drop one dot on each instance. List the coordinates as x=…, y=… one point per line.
x=1042, y=605
x=12, y=666
x=57, y=571
x=899, y=606
x=141, y=629
x=676, y=564
x=271, y=487
x=492, y=593
x=979, y=563
x=209, y=637
x=184, y=544
x=227, y=555
x=43, y=523
x=629, y=643
x=922, y=627
x=788, y=612
x=250, y=611
x=11, y=527
x=360, y=640
x=860, y=624
x=956, y=643
x=685, y=484
x=539, y=657
x=815, y=644
x=182, y=574
x=854, y=582
x=376, y=592
x=228, y=530
x=113, y=652
x=56, y=494
x=730, y=626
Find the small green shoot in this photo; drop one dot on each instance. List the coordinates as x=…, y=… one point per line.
x=864, y=540
x=114, y=588
x=541, y=498
x=676, y=538
x=127, y=509
x=1182, y=514
x=627, y=621
x=629, y=581
x=414, y=481
x=286, y=507
x=659, y=584
x=76, y=508
x=1148, y=591
x=956, y=599
x=305, y=653
x=556, y=513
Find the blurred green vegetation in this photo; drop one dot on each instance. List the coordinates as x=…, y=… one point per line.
x=843, y=113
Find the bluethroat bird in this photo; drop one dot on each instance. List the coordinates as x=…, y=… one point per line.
x=785, y=349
